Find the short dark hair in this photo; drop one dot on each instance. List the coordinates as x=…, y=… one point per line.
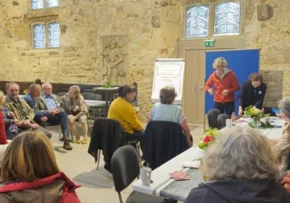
x=126, y=89
x=255, y=77
x=38, y=81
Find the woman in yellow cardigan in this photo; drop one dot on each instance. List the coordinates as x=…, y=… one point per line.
x=123, y=111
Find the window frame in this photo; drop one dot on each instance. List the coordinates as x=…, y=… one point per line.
x=212, y=19
x=44, y=5
x=208, y=28
x=226, y=34
x=46, y=35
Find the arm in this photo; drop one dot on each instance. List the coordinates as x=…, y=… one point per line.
x=183, y=123
x=208, y=83
x=242, y=94
x=7, y=120
x=129, y=114
x=260, y=101
x=186, y=131
x=235, y=84
x=30, y=112
x=83, y=109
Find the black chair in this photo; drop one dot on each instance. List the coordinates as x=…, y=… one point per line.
x=106, y=137
x=97, y=97
x=86, y=95
x=125, y=169
x=162, y=141
x=212, y=116
x=221, y=120
x=60, y=94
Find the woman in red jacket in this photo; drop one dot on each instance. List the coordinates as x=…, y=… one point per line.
x=225, y=85
x=30, y=172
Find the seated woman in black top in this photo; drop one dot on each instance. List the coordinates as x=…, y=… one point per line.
x=252, y=92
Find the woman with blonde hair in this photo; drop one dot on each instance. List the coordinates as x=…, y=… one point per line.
x=239, y=167
x=225, y=85
x=30, y=172
x=75, y=106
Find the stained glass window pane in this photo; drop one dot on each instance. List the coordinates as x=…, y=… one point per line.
x=39, y=36
x=227, y=18
x=36, y=4
x=196, y=21
x=52, y=3
x=53, y=35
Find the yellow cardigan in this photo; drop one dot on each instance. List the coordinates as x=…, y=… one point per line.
x=124, y=112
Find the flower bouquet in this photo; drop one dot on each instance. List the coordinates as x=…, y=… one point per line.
x=257, y=114
x=25, y=91
x=107, y=83
x=208, y=139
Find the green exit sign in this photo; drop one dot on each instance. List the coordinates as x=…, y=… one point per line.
x=209, y=43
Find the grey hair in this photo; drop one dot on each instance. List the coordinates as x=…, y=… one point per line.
x=284, y=106
x=76, y=89
x=240, y=153
x=11, y=83
x=167, y=95
x=33, y=86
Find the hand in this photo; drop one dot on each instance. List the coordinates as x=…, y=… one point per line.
x=72, y=120
x=211, y=91
x=279, y=115
x=286, y=183
x=52, y=112
x=34, y=126
x=43, y=119
x=240, y=111
x=11, y=114
x=225, y=92
x=17, y=123
x=26, y=122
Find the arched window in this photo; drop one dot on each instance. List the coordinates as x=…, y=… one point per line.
x=227, y=18
x=196, y=21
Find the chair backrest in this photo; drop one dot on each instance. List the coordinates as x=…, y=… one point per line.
x=106, y=136
x=61, y=94
x=86, y=95
x=162, y=141
x=221, y=120
x=97, y=97
x=125, y=167
x=212, y=116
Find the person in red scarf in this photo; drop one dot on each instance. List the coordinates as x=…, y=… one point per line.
x=30, y=172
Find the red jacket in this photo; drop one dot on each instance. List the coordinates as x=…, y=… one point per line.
x=228, y=82
x=35, y=190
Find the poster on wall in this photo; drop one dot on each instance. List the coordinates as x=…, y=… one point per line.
x=168, y=72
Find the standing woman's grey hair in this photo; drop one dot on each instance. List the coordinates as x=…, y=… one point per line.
x=167, y=95
x=240, y=153
x=284, y=106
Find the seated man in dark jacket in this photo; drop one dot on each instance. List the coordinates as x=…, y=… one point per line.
x=239, y=167
x=252, y=92
x=53, y=116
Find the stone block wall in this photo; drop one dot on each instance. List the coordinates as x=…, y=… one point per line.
x=151, y=29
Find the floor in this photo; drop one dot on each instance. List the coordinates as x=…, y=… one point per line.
x=79, y=165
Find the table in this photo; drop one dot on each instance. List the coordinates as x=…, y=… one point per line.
x=165, y=187
x=108, y=92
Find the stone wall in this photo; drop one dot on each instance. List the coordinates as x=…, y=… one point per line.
x=151, y=29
